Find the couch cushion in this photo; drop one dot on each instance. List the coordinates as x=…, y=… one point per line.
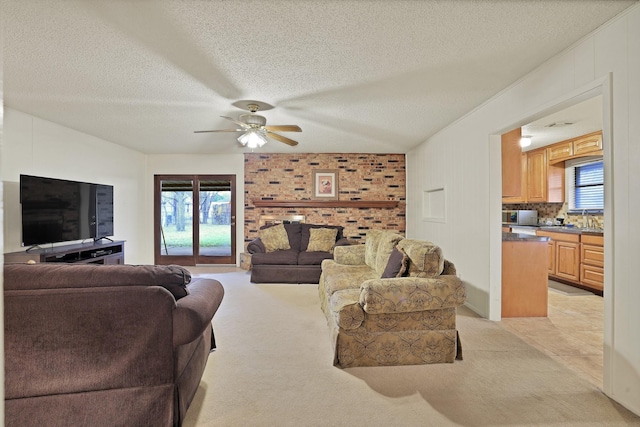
x=322, y=239
x=397, y=264
x=426, y=259
x=378, y=247
x=305, y=233
x=313, y=258
x=51, y=276
x=371, y=243
x=275, y=238
x=289, y=257
x=294, y=233
x=339, y=276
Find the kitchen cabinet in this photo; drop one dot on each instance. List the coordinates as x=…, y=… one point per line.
x=568, y=260
x=551, y=257
x=545, y=183
x=563, y=255
x=576, y=258
x=585, y=145
x=524, y=286
x=536, y=176
x=592, y=261
x=588, y=144
x=560, y=151
x=514, y=184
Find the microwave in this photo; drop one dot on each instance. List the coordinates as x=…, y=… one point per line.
x=520, y=217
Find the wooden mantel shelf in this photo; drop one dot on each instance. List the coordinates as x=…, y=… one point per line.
x=325, y=203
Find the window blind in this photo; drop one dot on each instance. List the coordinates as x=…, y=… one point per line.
x=586, y=186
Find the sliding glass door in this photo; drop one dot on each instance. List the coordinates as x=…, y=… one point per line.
x=195, y=220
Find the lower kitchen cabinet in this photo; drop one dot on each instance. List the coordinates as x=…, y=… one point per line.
x=551, y=252
x=592, y=261
x=568, y=260
x=576, y=258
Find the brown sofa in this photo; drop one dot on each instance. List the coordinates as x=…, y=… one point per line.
x=295, y=264
x=391, y=301
x=109, y=345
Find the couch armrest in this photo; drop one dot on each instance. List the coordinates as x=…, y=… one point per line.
x=256, y=247
x=410, y=294
x=347, y=313
x=349, y=255
x=194, y=312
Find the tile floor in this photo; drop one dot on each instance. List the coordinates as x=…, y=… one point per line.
x=572, y=333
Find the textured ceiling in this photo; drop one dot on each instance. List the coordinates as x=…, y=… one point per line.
x=579, y=119
x=357, y=76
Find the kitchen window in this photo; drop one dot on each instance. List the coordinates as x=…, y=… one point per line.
x=585, y=184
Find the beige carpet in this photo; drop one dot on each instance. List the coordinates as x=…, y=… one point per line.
x=273, y=368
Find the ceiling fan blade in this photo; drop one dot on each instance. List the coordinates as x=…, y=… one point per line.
x=281, y=138
x=284, y=128
x=242, y=125
x=219, y=130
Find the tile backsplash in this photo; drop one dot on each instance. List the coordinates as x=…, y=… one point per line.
x=551, y=211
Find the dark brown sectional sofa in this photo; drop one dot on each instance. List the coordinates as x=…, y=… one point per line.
x=104, y=345
x=295, y=265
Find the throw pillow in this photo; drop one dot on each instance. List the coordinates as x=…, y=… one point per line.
x=322, y=239
x=275, y=238
x=397, y=265
x=425, y=258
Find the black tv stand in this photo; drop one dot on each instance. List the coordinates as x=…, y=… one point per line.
x=79, y=253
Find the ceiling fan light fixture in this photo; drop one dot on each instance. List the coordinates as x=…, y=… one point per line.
x=253, y=119
x=252, y=139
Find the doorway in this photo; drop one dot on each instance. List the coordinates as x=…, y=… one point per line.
x=194, y=219
x=599, y=317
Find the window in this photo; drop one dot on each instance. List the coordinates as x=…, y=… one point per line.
x=586, y=185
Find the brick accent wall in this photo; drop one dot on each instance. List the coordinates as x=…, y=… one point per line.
x=360, y=177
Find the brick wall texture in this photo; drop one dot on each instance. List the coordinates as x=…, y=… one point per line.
x=360, y=177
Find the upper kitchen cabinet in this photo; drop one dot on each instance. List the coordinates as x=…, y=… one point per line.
x=560, y=152
x=527, y=177
x=589, y=144
x=585, y=145
x=514, y=163
x=537, y=176
x=545, y=182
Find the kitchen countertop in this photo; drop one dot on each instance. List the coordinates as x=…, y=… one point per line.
x=572, y=230
x=560, y=229
x=518, y=237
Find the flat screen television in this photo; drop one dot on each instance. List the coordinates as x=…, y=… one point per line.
x=59, y=210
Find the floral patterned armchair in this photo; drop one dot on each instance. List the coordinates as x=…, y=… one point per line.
x=391, y=301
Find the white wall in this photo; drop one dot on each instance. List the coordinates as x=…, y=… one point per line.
x=1, y=220
x=608, y=58
x=39, y=147
x=231, y=164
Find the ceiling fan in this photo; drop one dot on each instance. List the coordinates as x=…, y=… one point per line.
x=254, y=126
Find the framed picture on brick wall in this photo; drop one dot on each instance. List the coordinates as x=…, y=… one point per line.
x=325, y=184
